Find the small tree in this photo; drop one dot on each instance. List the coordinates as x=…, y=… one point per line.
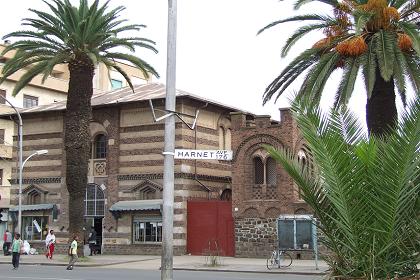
x=365, y=192
x=80, y=37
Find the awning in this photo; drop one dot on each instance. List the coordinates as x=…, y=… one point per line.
x=33, y=207
x=137, y=205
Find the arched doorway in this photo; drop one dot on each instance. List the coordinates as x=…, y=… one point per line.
x=94, y=212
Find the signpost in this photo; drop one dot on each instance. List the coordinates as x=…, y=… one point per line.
x=203, y=154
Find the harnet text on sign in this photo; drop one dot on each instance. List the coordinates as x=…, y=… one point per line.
x=203, y=154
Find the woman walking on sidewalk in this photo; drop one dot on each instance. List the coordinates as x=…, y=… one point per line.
x=49, y=243
x=72, y=253
x=17, y=248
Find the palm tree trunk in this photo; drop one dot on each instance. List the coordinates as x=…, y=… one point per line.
x=77, y=140
x=381, y=110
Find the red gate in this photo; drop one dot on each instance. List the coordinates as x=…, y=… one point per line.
x=210, y=228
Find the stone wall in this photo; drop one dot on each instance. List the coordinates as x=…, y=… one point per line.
x=254, y=237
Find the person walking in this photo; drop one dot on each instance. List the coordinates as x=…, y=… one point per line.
x=7, y=242
x=50, y=244
x=17, y=247
x=72, y=253
x=92, y=241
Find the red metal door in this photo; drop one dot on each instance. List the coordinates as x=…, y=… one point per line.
x=210, y=228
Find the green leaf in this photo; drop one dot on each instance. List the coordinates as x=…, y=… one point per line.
x=368, y=62
x=346, y=86
x=385, y=44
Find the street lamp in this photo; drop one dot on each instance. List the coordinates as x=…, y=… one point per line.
x=20, y=155
x=37, y=153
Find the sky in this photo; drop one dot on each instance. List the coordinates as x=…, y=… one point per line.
x=219, y=55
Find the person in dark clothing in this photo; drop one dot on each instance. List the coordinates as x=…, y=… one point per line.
x=92, y=241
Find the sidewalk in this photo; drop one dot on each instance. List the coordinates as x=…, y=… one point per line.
x=194, y=263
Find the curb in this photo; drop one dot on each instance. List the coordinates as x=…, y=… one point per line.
x=254, y=271
x=79, y=264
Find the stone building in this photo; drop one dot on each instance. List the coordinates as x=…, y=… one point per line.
x=261, y=189
x=53, y=89
x=123, y=197
x=229, y=206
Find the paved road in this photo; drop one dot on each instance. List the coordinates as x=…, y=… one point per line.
x=39, y=272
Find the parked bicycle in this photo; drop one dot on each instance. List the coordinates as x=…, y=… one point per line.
x=279, y=259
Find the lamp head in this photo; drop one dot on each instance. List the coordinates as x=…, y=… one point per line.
x=41, y=152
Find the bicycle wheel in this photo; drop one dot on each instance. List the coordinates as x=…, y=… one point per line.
x=285, y=259
x=271, y=262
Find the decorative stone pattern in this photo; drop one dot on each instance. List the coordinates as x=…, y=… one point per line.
x=255, y=237
x=257, y=206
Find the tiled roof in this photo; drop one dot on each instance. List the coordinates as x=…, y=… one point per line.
x=33, y=207
x=125, y=95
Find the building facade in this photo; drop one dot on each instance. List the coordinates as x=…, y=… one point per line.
x=54, y=89
x=261, y=189
x=124, y=192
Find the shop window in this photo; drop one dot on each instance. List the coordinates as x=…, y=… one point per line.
x=147, y=229
x=100, y=146
x=34, y=228
x=94, y=201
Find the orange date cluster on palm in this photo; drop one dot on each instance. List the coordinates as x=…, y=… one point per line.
x=383, y=15
x=352, y=47
x=404, y=42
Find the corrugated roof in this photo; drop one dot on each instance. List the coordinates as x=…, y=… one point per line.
x=125, y=95
x=137, y=205
x=33, y=207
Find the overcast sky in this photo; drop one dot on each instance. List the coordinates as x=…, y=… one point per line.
x=219, y=55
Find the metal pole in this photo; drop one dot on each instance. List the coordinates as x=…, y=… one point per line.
x=20, y=155
x=169, y=149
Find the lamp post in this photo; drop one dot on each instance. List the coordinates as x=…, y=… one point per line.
x=37, y=153
x=20, y=155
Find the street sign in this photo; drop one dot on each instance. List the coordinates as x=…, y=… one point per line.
x=203, y=154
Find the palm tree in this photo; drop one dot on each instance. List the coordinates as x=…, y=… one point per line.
x=380, y=37
x=364, y=191
x=80, y=37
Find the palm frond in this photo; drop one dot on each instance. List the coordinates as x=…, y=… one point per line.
x=364, y=191
x=300, y=3
x=384, y=47
x=368, y=62
x=413, y=71
x=346, y=86
x=302, y=31
x=141, y=64
x=290, y=73
x=399, y=73
x=296, y=18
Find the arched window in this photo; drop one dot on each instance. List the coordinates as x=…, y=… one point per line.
x=271, y=172
x=258, y=171
x=226, y=195
x=94, y=201
x=34, y=197
x=100, y=146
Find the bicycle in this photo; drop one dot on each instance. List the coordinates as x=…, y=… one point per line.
x=279, y=259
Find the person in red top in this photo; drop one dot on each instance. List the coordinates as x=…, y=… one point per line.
x=7, y=241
